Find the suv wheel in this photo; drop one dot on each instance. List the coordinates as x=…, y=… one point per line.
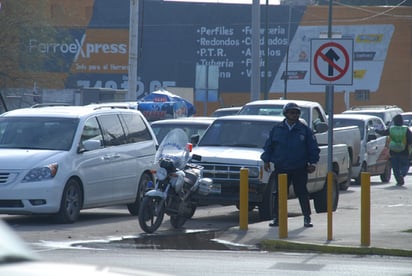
x=71, y=202
x=345, y=185
x=141, y=190
x=266, y=206
x=364, y=168
x=320, y=198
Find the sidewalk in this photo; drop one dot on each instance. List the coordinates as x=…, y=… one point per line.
x=391, y=217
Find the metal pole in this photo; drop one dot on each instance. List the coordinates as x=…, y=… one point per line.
x=265, y=89
x=133, y=35
x=244, y=199
x=365, y=209
x=283, y=205
x=255, y=78
x=287, y=56
x=329, y=204
x=329, y=94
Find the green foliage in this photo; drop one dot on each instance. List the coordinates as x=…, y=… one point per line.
x=19, y=20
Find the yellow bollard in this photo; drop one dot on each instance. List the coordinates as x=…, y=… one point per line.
x=283, y=205
x=244, y=199
x=365, y=209
x=329, y=204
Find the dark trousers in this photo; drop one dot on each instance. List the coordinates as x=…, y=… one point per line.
x=298, y=178
x=400, y=166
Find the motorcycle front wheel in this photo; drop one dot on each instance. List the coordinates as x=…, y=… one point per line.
x=151, y=213
x=177, y=221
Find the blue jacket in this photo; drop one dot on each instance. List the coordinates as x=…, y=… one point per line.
x=291, y=149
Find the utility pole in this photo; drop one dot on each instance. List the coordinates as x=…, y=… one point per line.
x=255, y=77
x=287, y=55
x=329, y=96
x=133, y=45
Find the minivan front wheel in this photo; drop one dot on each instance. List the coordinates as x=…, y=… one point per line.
x=71, y=202
x=141, y=190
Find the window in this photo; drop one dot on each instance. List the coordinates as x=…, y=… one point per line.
x=37, y=133
x=113, y=133
x=135, y=128
x=91, y=131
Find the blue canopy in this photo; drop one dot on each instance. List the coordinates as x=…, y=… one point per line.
x=166, y=96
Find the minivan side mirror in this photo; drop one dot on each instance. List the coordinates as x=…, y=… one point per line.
x=89, y=145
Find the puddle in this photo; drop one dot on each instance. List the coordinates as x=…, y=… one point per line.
x=200, y=240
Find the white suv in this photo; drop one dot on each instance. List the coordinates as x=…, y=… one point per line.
x=385, y=112
x=59, y=160
x=374, y=153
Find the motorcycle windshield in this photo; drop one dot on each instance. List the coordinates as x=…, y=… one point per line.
x=174, y=147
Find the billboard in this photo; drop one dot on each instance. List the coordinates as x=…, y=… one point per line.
x=174, y=38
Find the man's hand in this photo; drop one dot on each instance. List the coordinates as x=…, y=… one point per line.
x=267, y=167
x=310, y=168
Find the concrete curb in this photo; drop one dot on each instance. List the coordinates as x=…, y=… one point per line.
x=278, y=245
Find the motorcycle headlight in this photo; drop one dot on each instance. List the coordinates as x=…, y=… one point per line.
x=161, y=174
x=41, y=173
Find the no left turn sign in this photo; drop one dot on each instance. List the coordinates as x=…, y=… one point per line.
x=331, y=61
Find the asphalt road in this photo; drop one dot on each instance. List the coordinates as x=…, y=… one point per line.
x=88, y=241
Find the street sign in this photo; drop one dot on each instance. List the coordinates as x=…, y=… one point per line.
x=331, y=61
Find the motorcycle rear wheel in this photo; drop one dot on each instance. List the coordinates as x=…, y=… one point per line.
x=151, y=213
x=177, y=221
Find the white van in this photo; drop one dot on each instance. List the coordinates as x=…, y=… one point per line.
x=61, y=159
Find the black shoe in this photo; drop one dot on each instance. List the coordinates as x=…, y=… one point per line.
x=306, y=222
x=275, y=223
x=401, y=182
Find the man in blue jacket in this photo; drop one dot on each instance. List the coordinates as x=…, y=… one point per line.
x=294, y=151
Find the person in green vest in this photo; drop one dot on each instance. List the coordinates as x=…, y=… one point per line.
x=400, y=145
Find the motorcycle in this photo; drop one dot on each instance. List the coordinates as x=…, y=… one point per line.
x=177, y=181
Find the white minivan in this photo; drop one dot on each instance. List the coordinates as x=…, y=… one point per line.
x=61, y=159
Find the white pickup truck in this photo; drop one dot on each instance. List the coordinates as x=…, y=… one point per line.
x=235, y=142
x=313, y=113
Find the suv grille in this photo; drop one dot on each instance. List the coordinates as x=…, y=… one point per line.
x=222, y=171
x=4, y=177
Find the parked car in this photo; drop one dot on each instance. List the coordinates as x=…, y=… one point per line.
x=190, y=125
x=235, y=142
x=385, y=112
x=315, y=116
x=127, y=105
x=224, y=111
x=59, y=160
x=374, y=153
x=407, y=120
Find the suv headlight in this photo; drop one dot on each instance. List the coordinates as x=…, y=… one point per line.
x=41, y=173
x=253, y=172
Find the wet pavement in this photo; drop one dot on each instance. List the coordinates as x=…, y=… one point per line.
x=390, y=227
x=174, y=240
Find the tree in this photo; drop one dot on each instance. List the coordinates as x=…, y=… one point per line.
x=20, y=19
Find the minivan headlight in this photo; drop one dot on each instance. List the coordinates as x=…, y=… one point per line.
x=41, y=173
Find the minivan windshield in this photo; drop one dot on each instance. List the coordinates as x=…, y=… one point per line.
x=37, y=132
